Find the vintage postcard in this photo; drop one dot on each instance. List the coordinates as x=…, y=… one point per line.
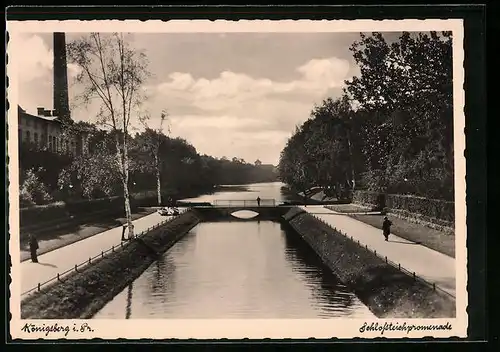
x=237, y=179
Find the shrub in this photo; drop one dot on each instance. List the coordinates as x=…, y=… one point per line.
x=433, y=208
x=33, y=191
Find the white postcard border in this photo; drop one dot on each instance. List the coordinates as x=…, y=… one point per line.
x=236, y=329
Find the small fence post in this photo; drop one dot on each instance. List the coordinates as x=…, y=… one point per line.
x=90, y=260
x=414, y=276
x=76, y=267
x=102, y=254
x=58, y=278
x=38, y=286
x=375, y=252
x=434, y=286
x=386, y=259
x=121, y=244
x=399, y=266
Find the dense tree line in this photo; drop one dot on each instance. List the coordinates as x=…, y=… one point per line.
x=48, y=176
x=390, y=131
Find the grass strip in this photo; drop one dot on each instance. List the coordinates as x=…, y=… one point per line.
x=387, y=291
x=71, y=234
x=82, y=294
x=436, y=240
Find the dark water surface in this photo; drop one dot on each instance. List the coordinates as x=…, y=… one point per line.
x=236, y=270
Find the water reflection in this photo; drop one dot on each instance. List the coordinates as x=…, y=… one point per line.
x=269, y=190
x=128, y=308
x=237, y=270
x=306, y=263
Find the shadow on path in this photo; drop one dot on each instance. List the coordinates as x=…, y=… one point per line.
x=393, y=241
x=47, y=264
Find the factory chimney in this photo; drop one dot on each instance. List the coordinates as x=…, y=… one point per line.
x=61, y=99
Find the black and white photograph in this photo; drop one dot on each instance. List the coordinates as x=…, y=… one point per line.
x=236, y=179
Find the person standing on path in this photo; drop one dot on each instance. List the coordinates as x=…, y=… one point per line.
x=258, y=201
x=33, y=243
x=386, y=228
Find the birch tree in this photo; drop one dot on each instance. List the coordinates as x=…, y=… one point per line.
x=152, y=143
x=112, y=73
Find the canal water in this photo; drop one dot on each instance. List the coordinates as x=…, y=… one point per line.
x=257, y=269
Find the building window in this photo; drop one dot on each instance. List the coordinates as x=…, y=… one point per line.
x=28, y=137
x=50, y=143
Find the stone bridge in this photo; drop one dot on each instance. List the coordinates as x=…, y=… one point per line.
x=223, y=210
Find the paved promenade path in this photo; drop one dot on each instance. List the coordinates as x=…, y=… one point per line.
x=428, y=264
x=62, y=259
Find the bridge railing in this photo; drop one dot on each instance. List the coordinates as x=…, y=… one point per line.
x=244, y=203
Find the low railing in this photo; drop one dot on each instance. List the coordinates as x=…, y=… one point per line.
x=236, y=203
x=387, y=261
x=118, y=246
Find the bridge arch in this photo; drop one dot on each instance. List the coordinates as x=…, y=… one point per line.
x=244, y=214
x=242, y=210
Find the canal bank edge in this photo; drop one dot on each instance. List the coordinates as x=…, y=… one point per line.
x=81, y=295
x=387, y=291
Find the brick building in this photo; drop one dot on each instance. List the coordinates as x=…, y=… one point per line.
x=45, y=131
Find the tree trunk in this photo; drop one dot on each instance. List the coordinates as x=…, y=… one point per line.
x=158, y=181
x=123, y=164
x=128, y=209
x=349, y=148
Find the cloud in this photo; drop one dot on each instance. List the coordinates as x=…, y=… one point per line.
x=34, y=62
x=35, y=59
x=230, y=88
x=230, y=113
x=244, y=112
x=330, y=72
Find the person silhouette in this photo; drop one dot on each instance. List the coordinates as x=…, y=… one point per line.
x=258, y=201
x=386, y=228
x=33, y=243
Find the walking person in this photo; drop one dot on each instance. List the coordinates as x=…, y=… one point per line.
x=386, y=227
x=258, y=201
x=33, y=243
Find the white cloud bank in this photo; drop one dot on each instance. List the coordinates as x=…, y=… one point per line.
x=35, y=59
x=233, y=114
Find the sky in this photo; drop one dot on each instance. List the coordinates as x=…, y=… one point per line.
x=228, y=94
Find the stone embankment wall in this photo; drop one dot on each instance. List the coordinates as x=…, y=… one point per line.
x=387, y=291
x=82, y=294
